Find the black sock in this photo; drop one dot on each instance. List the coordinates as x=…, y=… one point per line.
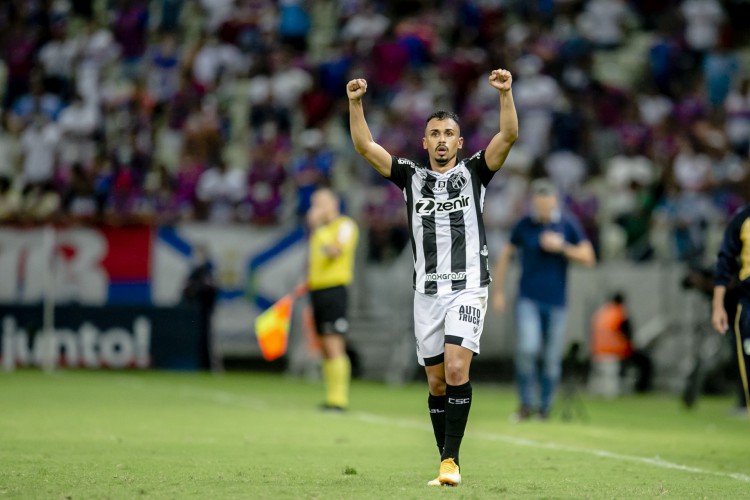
x=457, y=406
x=437, y=416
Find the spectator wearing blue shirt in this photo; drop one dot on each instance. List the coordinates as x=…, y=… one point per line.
x=312, y=169
x=546, y=240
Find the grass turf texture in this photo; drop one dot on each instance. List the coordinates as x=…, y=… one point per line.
x=166, y=435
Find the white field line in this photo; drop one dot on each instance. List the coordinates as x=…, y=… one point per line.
x=193, y=392
x=529, y=443
x=230, y=399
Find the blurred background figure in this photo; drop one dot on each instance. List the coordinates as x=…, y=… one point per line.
x=200, y=291
x=612, y=342
x=333, y=243
x=546, y=240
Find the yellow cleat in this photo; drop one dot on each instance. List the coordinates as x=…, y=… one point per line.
x=450, y=474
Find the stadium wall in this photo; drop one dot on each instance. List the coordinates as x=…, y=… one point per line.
x=147, y=266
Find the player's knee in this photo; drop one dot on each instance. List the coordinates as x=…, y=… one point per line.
x=332, y=346
x=437, y=385
x=456, y=372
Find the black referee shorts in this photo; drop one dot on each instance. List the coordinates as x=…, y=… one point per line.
x=329, y=310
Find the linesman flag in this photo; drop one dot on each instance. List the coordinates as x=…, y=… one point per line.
x=272, y=328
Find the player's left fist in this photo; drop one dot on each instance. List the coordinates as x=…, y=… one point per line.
x=501, y=79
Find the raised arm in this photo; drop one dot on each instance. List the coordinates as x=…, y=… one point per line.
x=370, y=150
x=499, y=147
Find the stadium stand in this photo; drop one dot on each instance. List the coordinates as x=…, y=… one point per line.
x=232, y=111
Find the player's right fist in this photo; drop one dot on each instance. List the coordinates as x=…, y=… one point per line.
x=355, y=89
x=501, y=79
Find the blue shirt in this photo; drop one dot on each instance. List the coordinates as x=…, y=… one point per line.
x=544, y=274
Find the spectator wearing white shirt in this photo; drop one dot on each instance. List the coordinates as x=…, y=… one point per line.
x=691, y=168
x=603, y=22
x=78, y=123
x=285, y=83
x=365, y=27
x=567, y=170
x=414, y=99
x=625, y=173
x=737, y=107
x=214, y=57
x=690, y=209
x=217, y=11
x=537, y=97
x=39, y=142
x=57, y=58
x=220, y=189
x=703, y=20
x=97, y=48
x=653, y=106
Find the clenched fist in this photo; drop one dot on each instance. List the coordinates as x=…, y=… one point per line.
x=552, y=242
x=501, y=79
x=355, y=89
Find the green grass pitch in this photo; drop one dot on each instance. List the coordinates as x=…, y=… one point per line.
x=171, y=435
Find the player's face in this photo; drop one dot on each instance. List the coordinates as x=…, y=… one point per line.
x=442, y=140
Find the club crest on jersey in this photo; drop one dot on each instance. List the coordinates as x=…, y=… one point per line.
x=429, y=206
x=457, y=180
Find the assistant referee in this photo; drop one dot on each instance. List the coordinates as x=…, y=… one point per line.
x=333, y=244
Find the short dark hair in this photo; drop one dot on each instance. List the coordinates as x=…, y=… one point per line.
x=443, y=115
x=543, y=187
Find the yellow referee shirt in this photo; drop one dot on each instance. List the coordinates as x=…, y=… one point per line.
x=325, y=271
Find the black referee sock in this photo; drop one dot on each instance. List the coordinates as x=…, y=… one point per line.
x=457, y=406
x=437, y=416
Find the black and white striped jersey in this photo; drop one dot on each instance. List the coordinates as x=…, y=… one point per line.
x=445, y=221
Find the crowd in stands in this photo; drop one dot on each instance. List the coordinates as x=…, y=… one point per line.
x=235, y=111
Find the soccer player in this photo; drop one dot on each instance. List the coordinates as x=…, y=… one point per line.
x=444, y=200
x=333, y=243
x=547, y=239
x=733, y=263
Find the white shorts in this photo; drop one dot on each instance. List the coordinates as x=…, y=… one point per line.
x=453, y=318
